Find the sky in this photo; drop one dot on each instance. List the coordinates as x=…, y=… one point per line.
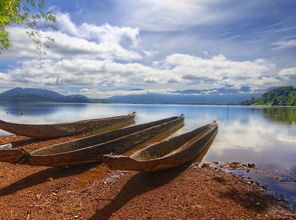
x=114, y=47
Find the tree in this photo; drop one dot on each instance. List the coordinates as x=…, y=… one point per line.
x=19, y=12
x=292, y=98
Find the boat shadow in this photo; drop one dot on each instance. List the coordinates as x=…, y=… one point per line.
x=44, y=176
x=140, y=183
x=143, y=182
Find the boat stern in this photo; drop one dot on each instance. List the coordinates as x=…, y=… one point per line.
x=119, y=162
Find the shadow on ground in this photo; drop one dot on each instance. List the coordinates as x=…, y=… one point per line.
x=43, y=176
x=137, y=185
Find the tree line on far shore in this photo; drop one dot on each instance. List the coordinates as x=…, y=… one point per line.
x=282, y=96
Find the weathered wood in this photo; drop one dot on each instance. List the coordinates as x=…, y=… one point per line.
x=65, y=129
x=91, y=149
x=167, y=154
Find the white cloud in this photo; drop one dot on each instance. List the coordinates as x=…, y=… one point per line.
x=265, y=82
x=175, y=72
x=86, y=40
x=167, y=15
x=89, y=58
x=66, y=46
x=288, y=73
x=217, y=71
x=103, y=34
x=66, y=25
x=151, y=80
x=96, y=93
x=285, y=44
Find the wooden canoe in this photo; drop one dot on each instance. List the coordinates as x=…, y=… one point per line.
x=65, y=129
x=167, y=154
x=91, y=149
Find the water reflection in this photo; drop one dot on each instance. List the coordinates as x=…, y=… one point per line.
x=28, y=109
x=257, y=142
x=247, y=134
x=280, y=114
x=39, y=112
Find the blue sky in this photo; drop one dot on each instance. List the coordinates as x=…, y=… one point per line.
x=110, y=47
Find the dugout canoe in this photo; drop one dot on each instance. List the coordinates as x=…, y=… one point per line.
x=91, y=149
x=167, y=154
x=66, y=129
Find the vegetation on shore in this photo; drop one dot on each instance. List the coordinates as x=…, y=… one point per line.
x=282, y=96
x=283, y=115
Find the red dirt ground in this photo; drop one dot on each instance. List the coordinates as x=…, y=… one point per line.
x=93, y=192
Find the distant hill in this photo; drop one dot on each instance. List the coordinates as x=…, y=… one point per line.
x=182, y=98
x=189, y=96
x=282, y=96
x=40, y=95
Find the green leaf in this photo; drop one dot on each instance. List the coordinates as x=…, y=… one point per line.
x=18, y=12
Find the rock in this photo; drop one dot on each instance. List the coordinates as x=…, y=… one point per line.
x=251, y=165
x=205, y=165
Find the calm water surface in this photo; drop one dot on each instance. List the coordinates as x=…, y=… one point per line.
x=265, y=136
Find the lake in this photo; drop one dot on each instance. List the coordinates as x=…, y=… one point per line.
x=265, y=136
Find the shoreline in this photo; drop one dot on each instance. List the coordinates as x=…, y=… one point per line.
x=93, y=192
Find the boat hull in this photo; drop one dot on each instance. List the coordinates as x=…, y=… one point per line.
x=91, y=149
x=167, y=154
x=66, y=129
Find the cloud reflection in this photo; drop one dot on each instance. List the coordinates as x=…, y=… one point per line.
x=245, y=134
x=259, y=141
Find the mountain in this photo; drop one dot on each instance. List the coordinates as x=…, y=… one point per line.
x=155, y=98
x=189, y=96
x=282, y=96
x=40, y=95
